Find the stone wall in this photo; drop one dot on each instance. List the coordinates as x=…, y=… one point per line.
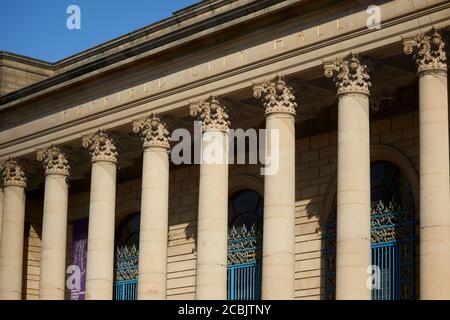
x=32, y=249
x=17, y=72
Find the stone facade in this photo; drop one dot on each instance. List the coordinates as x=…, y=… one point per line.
x=104, y=149
x=17, y=72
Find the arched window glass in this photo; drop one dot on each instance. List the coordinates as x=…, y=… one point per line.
x=245, y=208
x=392, y=234
x=389, y=184
x=128, y=232
x=245, y=217
x=126, y=259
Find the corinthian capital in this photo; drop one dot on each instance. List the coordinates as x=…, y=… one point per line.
x=13, y=174
x=54, y=160
x=430, y=54
x=213, y=112
x=101, y=146
x=277, y=95
x=350, y=75
x=153, y=131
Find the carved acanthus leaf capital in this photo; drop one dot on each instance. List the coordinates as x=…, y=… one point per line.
x=277, y=95
x=54, y=160
x=213, y=112
x=350, y=75
x=13, y=174
x=101, y=146
x=430, y=51
x=153, y=132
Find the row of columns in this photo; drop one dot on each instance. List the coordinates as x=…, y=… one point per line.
x=353, y=252
x=211, y=279
x=353, y=195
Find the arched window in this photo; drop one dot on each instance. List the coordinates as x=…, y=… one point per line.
x=126, y=259
x=245, y=218
x=392, y=233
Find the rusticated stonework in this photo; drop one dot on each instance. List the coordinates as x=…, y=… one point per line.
x=13, y=174
x=153, y=131
x=277, y=95
x=350, y=75
x=430, y=55
x=101, y=146
x=213, y=112
x=54, y=161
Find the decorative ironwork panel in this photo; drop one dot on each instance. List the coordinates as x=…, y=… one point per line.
x=243, y=245
x=126, y=273
x=392, y=233
x=244, y=264
x=390, y=224
x=393, y=251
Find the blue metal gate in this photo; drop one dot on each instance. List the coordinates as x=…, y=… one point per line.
x=392, y=232
x=244, y=264
x=393, y=252
x=126, y=273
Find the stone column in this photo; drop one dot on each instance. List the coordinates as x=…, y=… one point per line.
x=11, y=243
x=212, y=229
x=1, y=207
x=100, y=255
x=154, y=208
x=434, y=165
x=54, y=225
x=353, y=253
x=278, y=269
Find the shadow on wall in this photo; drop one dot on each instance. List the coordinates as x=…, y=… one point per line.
x=31, y=249
x=183, y=210
x=321, y=211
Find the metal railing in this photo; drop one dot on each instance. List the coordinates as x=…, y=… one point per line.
x=125, y=290
x=244, y=282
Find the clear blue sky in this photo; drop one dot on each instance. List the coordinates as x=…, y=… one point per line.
x=37, y=28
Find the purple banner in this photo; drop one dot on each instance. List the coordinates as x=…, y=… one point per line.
x=76, y=281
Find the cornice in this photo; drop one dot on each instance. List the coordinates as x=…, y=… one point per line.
x=26, y=60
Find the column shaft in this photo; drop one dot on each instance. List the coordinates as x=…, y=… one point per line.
x=431, y=60
x=212, y=229
x=1, y=211
x=353, y=254
x=54, y=226
x=279, y=212
x=353, y=234
x=54, y=233
x=100, y=255
x=154, y=224
x=434, y=187
x=278, y=265
x=11, y=244
x=211, y=280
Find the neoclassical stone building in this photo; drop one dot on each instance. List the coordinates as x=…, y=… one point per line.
x=93, y=205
